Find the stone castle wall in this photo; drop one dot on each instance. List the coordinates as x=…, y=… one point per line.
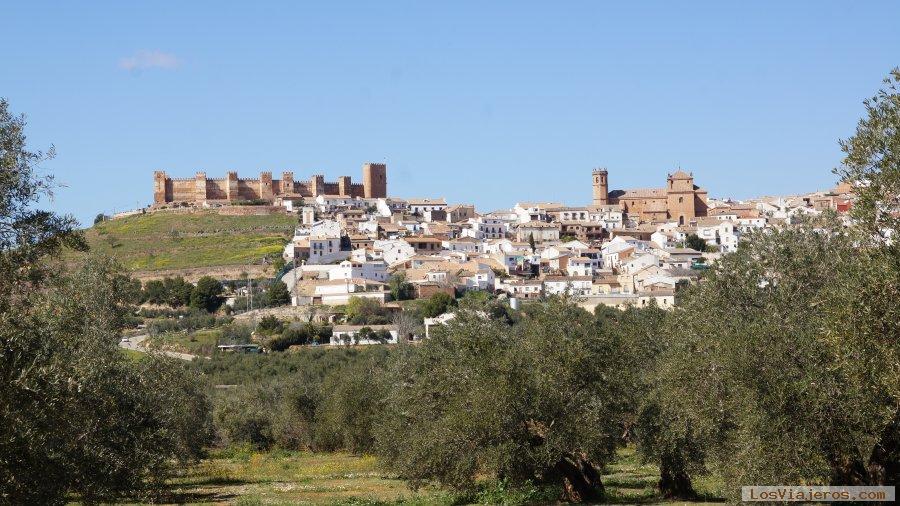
x=232, y=189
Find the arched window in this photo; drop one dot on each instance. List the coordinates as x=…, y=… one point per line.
x=680, y=199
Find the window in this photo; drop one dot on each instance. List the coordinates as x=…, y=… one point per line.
x=680, y=200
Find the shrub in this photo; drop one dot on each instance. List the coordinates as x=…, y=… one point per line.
x=350, y=409
x=438, y=304
x=293, y=335
x=361, y=311
x=278, y=294
x=269, y=324
x=207, y=294
x=236, y=333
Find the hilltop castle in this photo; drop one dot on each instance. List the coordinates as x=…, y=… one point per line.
x=232, y=189
x=680, y=200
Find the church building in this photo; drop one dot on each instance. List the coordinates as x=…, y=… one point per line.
x=680, y=200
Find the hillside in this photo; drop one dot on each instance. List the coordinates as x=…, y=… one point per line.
x=169, y=242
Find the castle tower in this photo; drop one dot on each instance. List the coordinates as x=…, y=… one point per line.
x=265, y=186
x=601, y=187
x=231, y=186
x=287, y=183
x=317, y=185
x=200, y=187
x=159, y=187
x=374, y=180
x=344, y=185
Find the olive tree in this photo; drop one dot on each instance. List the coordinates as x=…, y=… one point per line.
x=77, y=416
x=783, y=362
x=872, y=161
x=538, y=401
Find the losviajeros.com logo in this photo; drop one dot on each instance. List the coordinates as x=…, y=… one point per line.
x=785, y=493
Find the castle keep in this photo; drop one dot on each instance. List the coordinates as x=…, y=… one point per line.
x=233, y=189
x=680, y=200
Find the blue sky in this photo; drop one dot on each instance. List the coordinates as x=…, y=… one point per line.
x=482, y=102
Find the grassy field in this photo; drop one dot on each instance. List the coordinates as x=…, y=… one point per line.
x=200, y=342
x=282, y=478
x=164, y=240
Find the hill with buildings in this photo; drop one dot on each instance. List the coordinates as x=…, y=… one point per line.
x=193, y=242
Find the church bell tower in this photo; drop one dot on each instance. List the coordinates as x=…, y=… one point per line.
x=601, y=187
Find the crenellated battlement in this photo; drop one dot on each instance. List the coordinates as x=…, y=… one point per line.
x=201, y=188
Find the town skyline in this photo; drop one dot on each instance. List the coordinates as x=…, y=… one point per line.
x=584, y=199
x=489, y=105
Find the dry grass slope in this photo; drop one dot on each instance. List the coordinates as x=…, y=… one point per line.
x=166, y=241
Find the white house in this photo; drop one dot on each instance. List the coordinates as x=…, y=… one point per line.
x=615, y=252
x=665, y=238
x=371, y=270
x=682, y=258
x=539, y=230
x=521, y=288
x=337, y=292
x=511, y=260
x=749, y=224
x=411, y=226
x=723, y=235
x=483, y=279
x=329, y=203
x=639, y=262
x=486, y=228
x=325, y=249
x=568, y=285
x=464, y=245
x=383, y=208
x=419, y=206
x=581, y=266
x=610, y=216
x=394, y=250
x=533, y=211
x=576, y=246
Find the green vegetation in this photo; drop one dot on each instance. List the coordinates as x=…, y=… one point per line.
x=202, y=342
x=282, y=477
x=516, y=402
x=780, y=368
x=79, y=418
x=278, y=294
x=400, y=288
x=873, y=161
x=288, y=477
x=362, y=311
x=207, y=294
x=170, y=240
x=695, y=242
x=298, y=333
x=767, y=390
x=438, y=304
x=174, y=292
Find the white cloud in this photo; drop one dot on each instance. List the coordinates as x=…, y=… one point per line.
x=150, y=60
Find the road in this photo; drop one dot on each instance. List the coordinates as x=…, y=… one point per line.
x=135, y=343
